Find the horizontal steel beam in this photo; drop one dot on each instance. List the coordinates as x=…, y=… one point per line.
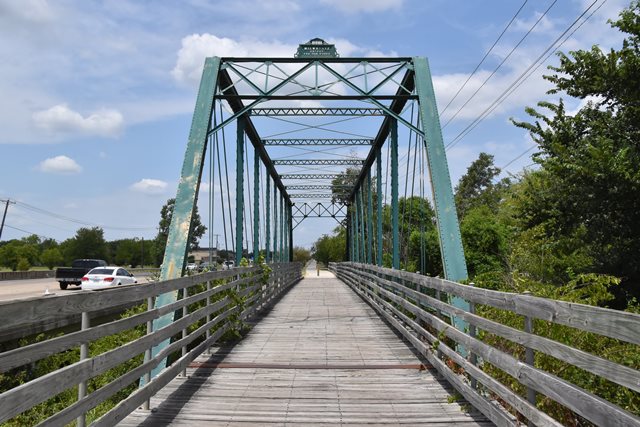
x=294, y=96
x=310, y=176
x=319, y=141
x=315, y=187
x=319, y=210
x=323, y=162
x=317, y=112
x=354, y=60
x=311, y=196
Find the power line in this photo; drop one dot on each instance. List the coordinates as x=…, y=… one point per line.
x=75, y=220
x=547, y=57
x=484, y=57
x=500, y=64
x=28, y=232
x=521, y=78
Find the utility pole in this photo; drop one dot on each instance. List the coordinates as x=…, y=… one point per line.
x=142, y=250
x=6, y=208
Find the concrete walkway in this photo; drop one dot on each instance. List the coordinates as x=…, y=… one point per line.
x=321, y=357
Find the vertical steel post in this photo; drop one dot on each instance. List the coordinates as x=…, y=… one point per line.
x=281, y=234
x=84, y=354
x=290, y=233
x=186, y=197
x=395, y=212
x=356, y=234
x=362, y=226
x=348, y=239
x=239, y=186
x=256, y=206
x=267, y=238
x=276, y=257
x=453, y=261
x=369, y=219
x=379, y=204
x=353, y=232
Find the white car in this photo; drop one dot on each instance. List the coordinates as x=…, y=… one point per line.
x=106, y=277
x=228, y=265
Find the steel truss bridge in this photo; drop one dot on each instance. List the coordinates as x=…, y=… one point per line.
x=349, y=136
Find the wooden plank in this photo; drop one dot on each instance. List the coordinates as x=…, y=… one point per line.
x=538, y=417
x=33, y=310
x=27, y=395
x=37, y=351
x=577, y=399
x=620, y=374
x=617, y=324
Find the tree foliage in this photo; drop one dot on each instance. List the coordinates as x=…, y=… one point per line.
x=331, y=248
x=476, y=187
x=589, y=178
x=301, y=254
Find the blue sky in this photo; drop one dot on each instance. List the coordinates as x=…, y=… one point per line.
x=97, y=96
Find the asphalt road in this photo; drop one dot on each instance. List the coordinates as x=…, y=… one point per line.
x=18, y=289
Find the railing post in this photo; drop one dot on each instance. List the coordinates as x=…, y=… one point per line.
x=147, y=353
x=84, y=354
x=184, y=331
x=473, y=358
x=529, y=358
x=208, y=333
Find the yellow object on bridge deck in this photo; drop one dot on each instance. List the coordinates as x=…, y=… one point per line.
x=321, y=356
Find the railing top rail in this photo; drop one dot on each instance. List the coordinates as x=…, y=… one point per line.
x=616, y=324
x=39, y=309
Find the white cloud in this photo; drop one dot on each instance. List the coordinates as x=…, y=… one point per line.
x=545, y=25
x=149, y=186
x=60, y=165
x=60, y=119
x=355, y=6
x=36, y=11
x=196, y=47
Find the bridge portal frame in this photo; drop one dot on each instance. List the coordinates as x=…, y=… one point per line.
x=217, y=84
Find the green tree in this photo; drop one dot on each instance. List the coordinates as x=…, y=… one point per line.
x=476, y=187
x=51, y=257
x=14, y=251
x=343, y=184
x=301, y=254
x=87, y=243
x=196, y=230
x=591, y=158
x=331, y=248
x=485, y=241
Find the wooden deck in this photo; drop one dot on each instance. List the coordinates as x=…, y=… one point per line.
x=321, y=356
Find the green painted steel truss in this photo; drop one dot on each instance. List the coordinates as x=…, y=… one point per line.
x=321, y=162
x=245, y=87
x=318, y=141
x=306, y=176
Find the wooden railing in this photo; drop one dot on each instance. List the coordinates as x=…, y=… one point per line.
x=416, y=306
x=210, y=305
